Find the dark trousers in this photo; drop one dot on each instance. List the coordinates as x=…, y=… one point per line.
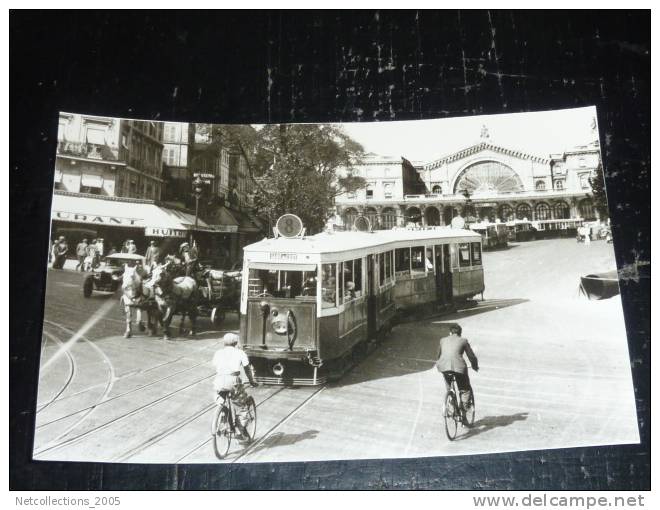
x=463, y=383
x=81, y=262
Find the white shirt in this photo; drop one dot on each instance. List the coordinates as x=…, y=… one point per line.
x=229, y=360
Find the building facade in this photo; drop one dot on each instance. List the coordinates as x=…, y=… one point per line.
x=176, y=141
x=485, y=180
x=109, y=157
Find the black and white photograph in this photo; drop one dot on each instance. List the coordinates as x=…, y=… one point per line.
x=248, y=293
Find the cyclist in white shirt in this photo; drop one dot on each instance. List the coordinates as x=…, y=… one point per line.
x=228, y=362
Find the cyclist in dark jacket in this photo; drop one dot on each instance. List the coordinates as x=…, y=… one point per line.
x=450, y=360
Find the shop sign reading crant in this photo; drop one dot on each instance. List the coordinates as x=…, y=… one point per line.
x=96, y=219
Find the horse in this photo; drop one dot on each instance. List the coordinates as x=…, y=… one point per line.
x=137, y=295
x=175, y=295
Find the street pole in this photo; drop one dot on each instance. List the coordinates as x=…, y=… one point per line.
x=197, y=189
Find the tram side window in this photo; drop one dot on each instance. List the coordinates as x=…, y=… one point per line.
x=352, y=280
x=386, y=267
x=464, y=254
x=476, y=254
x=418, y=260
x=381, y=270
x=341, y=274
x=389, y=273
x=402, y=261
x=429, y=259
x=329, y=286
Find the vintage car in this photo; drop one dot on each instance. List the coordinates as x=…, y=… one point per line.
x=108, y=276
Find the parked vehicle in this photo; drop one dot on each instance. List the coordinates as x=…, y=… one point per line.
x=107, y=277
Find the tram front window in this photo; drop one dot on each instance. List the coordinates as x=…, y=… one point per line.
x=283, y=284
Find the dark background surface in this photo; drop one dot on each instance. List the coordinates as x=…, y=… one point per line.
x=315, y=67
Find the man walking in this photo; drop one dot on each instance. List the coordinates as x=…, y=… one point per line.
x=450, y=361
x=81, y=253
x=152, y=257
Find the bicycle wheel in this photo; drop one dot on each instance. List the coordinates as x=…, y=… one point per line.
x=221, y=431
x=251, y=425
x=451, y=416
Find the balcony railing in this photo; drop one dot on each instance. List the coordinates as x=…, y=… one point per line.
x=87, y=150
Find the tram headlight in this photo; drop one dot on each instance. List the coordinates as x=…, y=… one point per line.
x=278, y=369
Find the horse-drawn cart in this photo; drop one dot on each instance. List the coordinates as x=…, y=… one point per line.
x=220, y=292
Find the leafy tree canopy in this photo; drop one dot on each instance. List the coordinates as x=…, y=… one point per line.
x=597, y=183
x=297, y=168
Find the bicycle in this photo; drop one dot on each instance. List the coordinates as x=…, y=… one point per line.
x=224, y=426
x=454, y=411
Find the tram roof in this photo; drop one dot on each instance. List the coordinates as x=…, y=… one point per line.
x=330, y=242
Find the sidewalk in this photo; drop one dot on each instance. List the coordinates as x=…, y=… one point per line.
x=69, y=265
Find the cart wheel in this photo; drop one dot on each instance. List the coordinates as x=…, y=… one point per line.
x=217, y=316
x=88, y=287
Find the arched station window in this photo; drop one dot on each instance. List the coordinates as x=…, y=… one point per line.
x=506, y=212
x=562, y=211
x=523, y=211
x=542, y=211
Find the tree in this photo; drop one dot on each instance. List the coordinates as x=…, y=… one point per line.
x=297, y=168
x=597, y=183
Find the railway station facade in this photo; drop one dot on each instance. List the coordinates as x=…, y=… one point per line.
x=485, y=180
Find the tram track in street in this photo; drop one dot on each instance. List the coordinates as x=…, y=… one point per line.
x=51, y=444
x=253, y=446
x=116, y=420
x=134, y=390
x=184, y=422
x=72, y=371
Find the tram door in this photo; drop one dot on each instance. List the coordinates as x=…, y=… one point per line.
x=372, y=298
x=439, y=276
x=443, y=275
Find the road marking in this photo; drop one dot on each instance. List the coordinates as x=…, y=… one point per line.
x=77, y=335
x=420, y=402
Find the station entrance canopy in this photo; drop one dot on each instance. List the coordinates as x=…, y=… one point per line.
x=156, y=220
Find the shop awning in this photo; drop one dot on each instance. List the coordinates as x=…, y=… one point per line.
x=245, y=223
x=157, y=221
x=224, y=221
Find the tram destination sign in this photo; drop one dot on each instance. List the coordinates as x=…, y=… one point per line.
x=282, y=257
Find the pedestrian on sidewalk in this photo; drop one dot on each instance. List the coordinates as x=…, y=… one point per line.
x=81, y=253
x=52, y=251
x=61, y=250
x=152, y=257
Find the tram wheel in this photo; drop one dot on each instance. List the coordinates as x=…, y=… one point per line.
x=221, y=431
x=451, y=415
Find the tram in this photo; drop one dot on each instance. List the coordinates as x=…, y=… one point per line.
x=494, y=235
x=309, y=304
x=557, y=228
x=521, y=230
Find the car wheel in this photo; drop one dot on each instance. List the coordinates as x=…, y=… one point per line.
x=88, y=286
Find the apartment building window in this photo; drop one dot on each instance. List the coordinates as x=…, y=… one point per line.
x=370, y=191
x=387, y=190
x=559, y=184
x=584, y=181
x=540, y=185
x=95, y=133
